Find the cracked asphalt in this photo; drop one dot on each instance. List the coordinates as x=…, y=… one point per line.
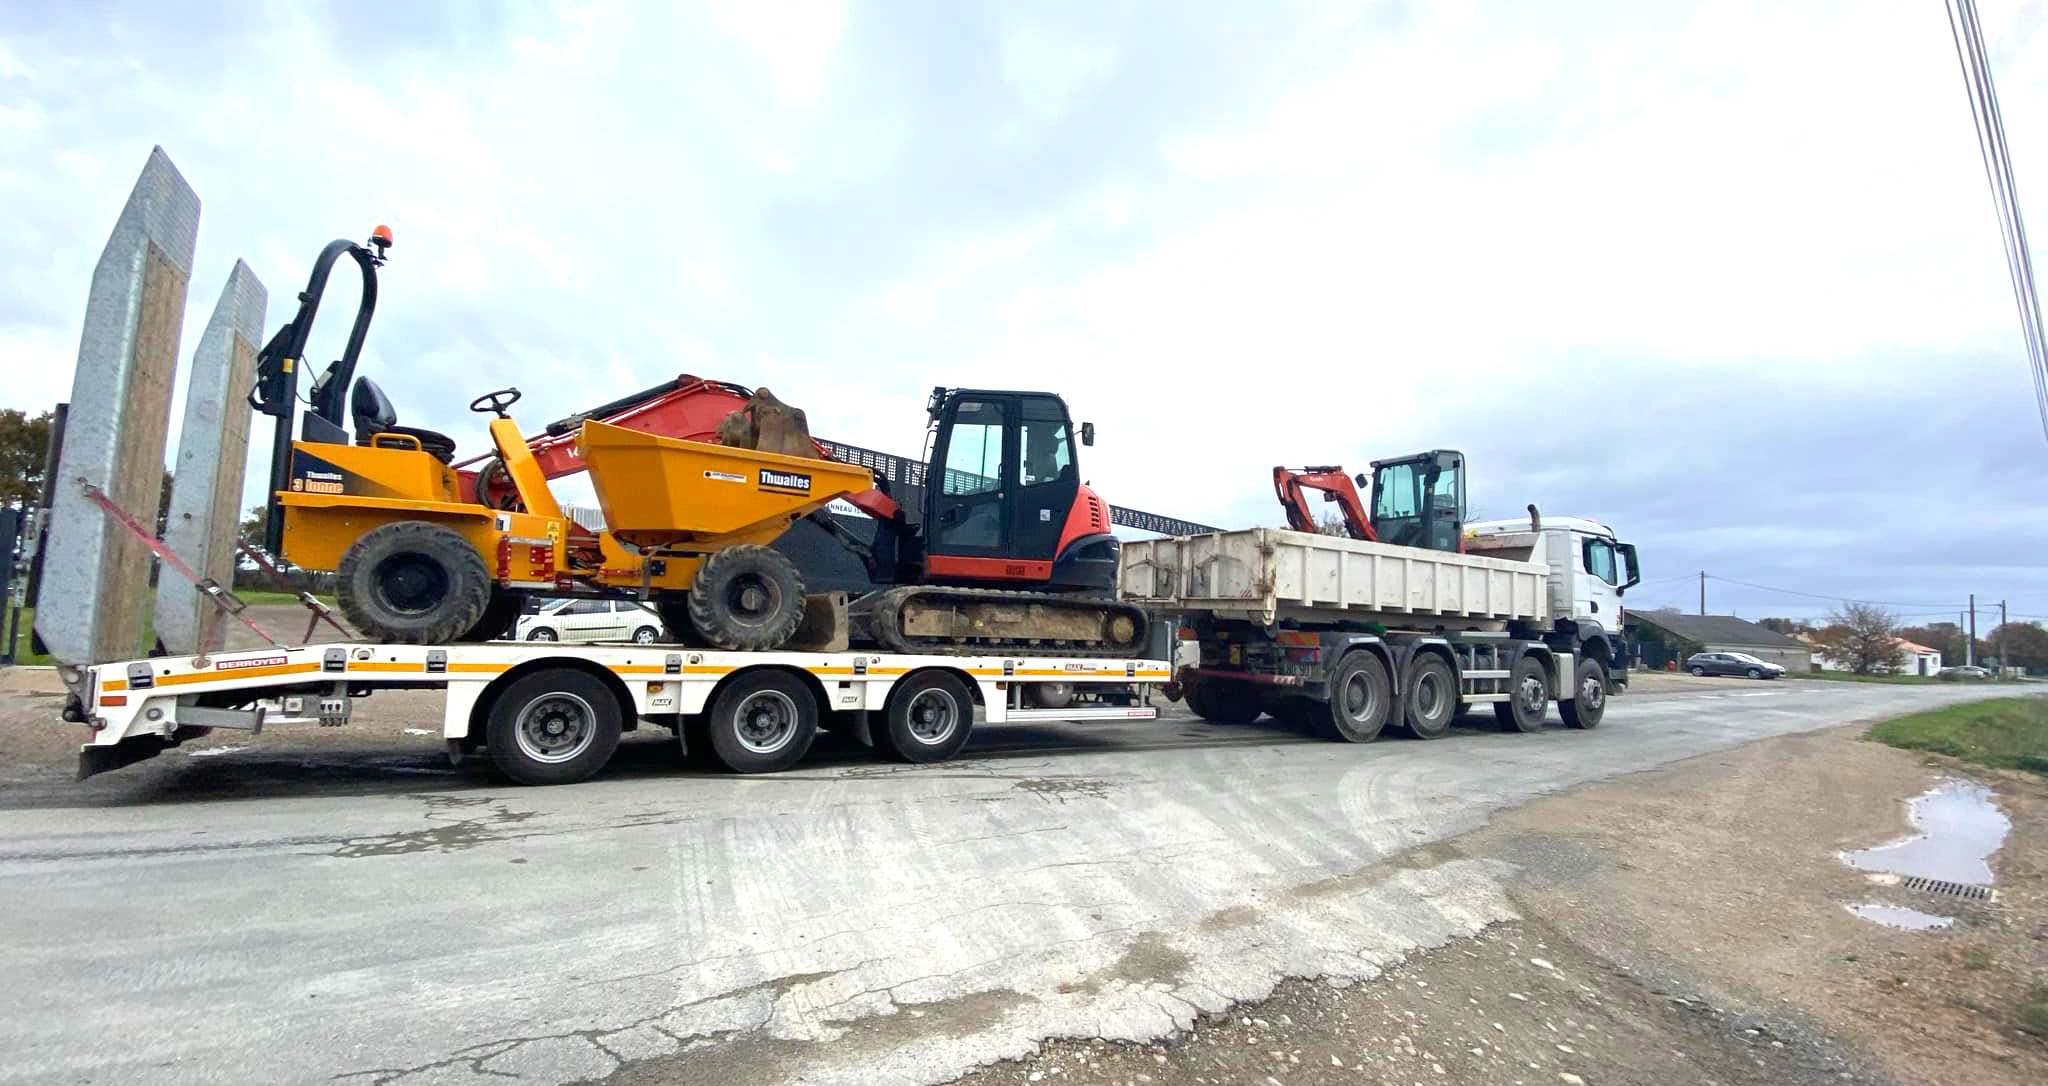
x=375, y=916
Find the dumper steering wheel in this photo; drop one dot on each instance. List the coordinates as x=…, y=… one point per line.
x=495, y=402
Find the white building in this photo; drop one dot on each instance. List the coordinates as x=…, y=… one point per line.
x=1918, y=659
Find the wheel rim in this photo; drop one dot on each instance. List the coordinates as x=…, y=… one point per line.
x=541, y=635
x=411, y=583
x=1592, y=691
x=1358, y=700
x=1531, y=693
x=643, y=636
x=1755, y=674
x=765, y=721
x=933, y=716
x=1429, y=695
x=753, y=599
x=555, y=728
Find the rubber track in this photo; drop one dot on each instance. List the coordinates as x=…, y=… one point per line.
x=885, y=624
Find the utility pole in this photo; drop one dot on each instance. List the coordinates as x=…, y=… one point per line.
x=1970, y=642
x=1703, y=593
x=2002, y=620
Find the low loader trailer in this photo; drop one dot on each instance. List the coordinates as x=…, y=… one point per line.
x=551, y=713
x=1348, y=636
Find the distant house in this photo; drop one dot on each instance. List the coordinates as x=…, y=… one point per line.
x=1918, y=660
x=1668, y=635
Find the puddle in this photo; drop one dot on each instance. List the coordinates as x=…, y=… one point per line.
x=1898, y=916
x=1961, y=827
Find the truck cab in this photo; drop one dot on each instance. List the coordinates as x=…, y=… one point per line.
x=1590, y=569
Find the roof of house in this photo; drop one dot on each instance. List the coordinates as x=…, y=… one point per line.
x=1915, y=646
x=1717, y=630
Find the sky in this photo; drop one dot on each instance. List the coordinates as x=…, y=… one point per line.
x=1725, y=277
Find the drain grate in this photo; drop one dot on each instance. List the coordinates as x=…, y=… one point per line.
x=1948, y=889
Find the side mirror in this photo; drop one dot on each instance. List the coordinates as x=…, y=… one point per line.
x=1087, y=433
x=1629, y=566
x=1359, y=479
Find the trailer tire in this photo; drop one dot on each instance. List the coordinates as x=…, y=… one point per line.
x=929, y=716
x=762, y=722
x=413, y=582
x=1431, y=697
x=557, y=725
x=1297, y=713
x=1528, y=697
x=1589, y=700
x=1224, y=701
x=747, y=598
x=1361, y=699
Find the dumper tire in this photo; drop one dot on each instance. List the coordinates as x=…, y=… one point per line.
x=1224, y=701
x=412, y=582
x=1361, y=699
x=762, y=721
x=1589, y=695
x=928, y=719
x=499, y=615
x=557, y=725
x=747, y=598
x=1430, y=698
x=1528, y=697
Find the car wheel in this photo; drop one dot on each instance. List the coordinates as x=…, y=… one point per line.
x=1756, y=673
x=1699, y=672
x=645, y=635
x=542, y=634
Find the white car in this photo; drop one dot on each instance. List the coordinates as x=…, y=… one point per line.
x=591, y=620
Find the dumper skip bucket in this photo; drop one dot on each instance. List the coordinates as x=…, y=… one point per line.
x=666, y=492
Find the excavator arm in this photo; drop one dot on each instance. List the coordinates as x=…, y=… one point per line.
x=1292, y=487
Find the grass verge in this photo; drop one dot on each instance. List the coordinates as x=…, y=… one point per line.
x=2004, y=733
x=1852, y=677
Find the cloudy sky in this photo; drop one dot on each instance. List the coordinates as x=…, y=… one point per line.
x=1726, y=278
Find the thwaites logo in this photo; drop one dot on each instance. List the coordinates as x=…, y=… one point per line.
x=319, y=482
x=254, y=661
x=789, y=482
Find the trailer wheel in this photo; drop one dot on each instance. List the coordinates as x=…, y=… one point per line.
x=1589, y=702
x=762, y=722
x=1223, y=701
x=412, y=582
x=557, y=725
x=1431, y=698
x=1528, y=697
x=1361, y=698
x=929, y=716
x=1298, y=713
x=747, y=597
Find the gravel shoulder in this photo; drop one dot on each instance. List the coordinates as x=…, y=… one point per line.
x=1682, y=925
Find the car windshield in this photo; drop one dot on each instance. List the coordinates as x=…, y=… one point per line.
x=1745, y=658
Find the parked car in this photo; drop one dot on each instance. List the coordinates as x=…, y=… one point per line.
x=590, y=620
x=1965, y=673
x=1732, y=663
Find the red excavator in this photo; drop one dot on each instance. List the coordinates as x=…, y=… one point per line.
x=1418, y=501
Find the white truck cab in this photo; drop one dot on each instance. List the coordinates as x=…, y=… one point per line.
x=1590, y=568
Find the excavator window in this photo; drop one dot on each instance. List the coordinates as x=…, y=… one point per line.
x=1048, y=450
x=974, y=456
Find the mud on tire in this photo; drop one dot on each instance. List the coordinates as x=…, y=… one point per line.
x=412, y=582
x=748, y=598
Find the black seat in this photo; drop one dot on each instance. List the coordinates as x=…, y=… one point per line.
x=373, y=415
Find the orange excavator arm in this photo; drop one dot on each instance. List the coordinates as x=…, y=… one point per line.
x=1291, y=486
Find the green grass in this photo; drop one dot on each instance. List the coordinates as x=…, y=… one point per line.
x=22, y=641
x=253, y=595
x=2004, y=733
x=1852, y=677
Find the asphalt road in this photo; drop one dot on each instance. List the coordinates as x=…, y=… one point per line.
x=373, y=916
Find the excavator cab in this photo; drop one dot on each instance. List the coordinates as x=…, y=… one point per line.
x=1003, y=497
x=1419, y=501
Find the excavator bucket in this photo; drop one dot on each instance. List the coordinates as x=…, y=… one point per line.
x=694, y=496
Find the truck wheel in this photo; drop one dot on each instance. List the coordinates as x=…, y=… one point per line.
x=1431, y=698
x=1528, y=698
x=929, y=716
x=1590, y=703
x=1224, y=701
x=1361, y=698
x=499, y=615
x=412, y=582
x=762, y=722
x=748, y=598
x=1298, y=713
x=557, y=725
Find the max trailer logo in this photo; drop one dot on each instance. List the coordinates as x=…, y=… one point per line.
x=791, y=482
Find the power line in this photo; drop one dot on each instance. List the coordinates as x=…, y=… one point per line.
x=1968, y=35
x=1836, y=599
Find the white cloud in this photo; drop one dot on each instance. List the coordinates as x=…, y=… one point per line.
x=794, y=39
x=1047, y=69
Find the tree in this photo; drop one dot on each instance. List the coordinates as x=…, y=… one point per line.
x=1862, y=637
x=24, y=441
x=251, y=532
x=1786, y=626
x=2021, y=644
